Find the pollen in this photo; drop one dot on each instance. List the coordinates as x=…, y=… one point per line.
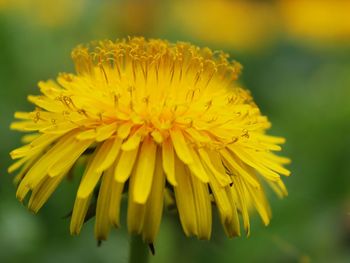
x=158, y=122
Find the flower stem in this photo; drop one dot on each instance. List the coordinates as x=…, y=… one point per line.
x=138, y=250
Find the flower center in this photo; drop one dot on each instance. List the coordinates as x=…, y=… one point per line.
x=156, y=86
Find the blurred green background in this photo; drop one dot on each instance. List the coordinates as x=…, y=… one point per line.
x=296, y=58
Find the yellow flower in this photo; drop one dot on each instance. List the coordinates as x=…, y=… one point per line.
x=144, y=112
x=324, y=20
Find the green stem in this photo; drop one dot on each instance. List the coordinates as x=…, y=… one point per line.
x=138, y=250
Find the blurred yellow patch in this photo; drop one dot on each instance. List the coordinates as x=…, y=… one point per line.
x=227, y=24
x=131, y=17
x=3, y=4
x=46, y=12
x=324, y=20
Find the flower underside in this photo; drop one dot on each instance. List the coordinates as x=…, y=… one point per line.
x=142, y=113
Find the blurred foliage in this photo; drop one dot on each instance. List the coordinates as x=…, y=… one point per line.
x=296, y=63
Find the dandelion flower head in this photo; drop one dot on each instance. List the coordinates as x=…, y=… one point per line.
x=150, y=119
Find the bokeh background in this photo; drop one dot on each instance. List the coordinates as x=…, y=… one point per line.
x=296, y=57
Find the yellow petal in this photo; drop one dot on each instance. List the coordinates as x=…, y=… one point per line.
x=29, y=138
x=251, y=161
x=198, y=136
x=91, y=175
x=157, y=136
x=238, y=191
x=102, y=222
x=260, y=203
x=144, y=171
x=222, y=178
x=154, y=206
x=196, y=167
x=279, y=188
x=27, y=126
x=124, y=130
x=43, y=191
x=274, y=166
x=17, y=165
x=125, y=165
x=46, y=103
x=132, y=142
x=38, y=171
x=87, y=135
x=232, y=226
x=70, y=155
x=105, y=132
x=25, y=168
x=136, y=211
x=116, y=190
x=38, y=144
x=111, y=155
x=238, y=170
x=221, y=199
x=59, y=128
x=276, y=158
x=185, y=199
x=270, y=139
x=203, y=208
x=23, y=115
x=181, y=146
x=80, y=209
x=169, y=161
